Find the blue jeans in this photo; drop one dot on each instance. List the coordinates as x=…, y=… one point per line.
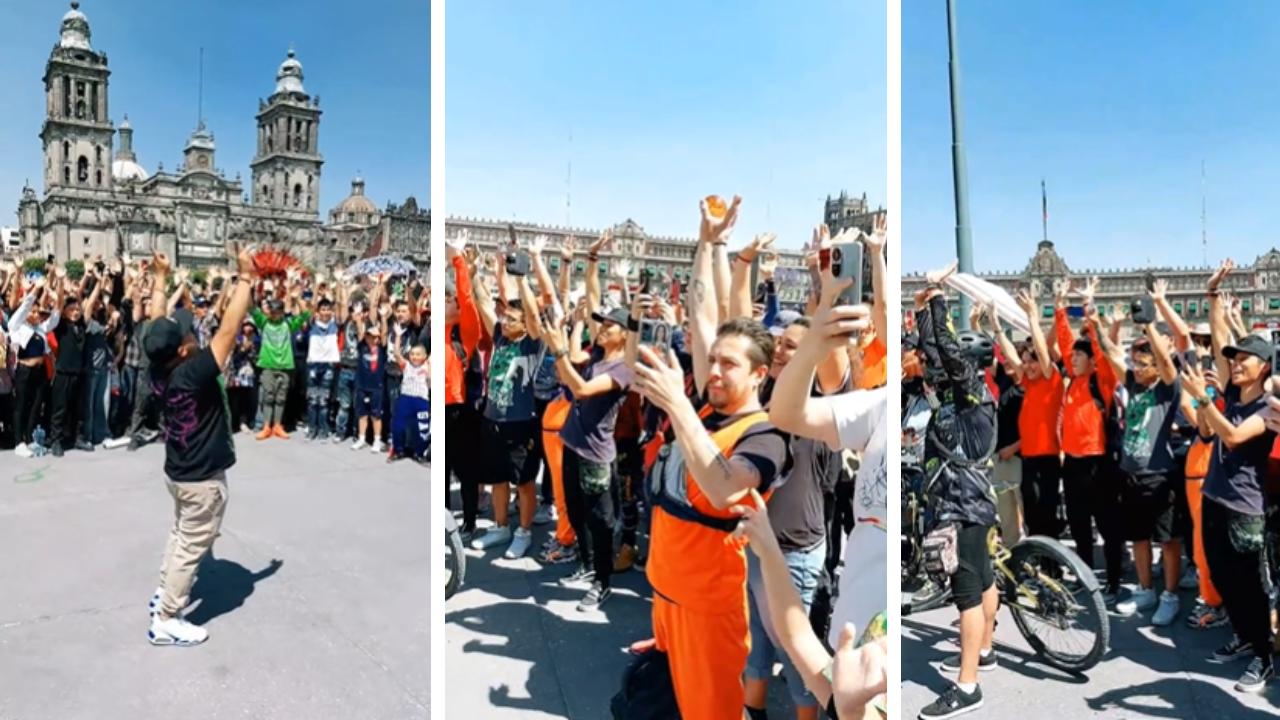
x=319, y=390
x=345, y=391
x=94, y=409
x=806, y=572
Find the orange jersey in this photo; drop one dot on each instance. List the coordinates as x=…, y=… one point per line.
x=1038, y=419
x=875, y=365
x=468, y=326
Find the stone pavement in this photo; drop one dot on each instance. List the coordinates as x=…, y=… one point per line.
x=1150, y=672
x=316, y=599
x=517, y=647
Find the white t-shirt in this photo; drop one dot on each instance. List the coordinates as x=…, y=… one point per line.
x=861, y=424
x=416, y=381
x=323, y=345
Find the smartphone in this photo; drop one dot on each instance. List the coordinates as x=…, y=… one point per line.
x=1206, y=363
x=656, y=334
x=1142, y=311
x=846, y=263
x=518, y=264
x=1075, y=311
x=646, y=280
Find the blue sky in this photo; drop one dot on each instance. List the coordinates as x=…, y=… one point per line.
x=1115, y=105
x=369, y=63
x=666, y=102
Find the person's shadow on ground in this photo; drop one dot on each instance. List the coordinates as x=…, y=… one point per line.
x=223, y=586
x=1209, y=699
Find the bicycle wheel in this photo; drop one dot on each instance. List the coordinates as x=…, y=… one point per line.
x=920, y=593
x=1056, y=603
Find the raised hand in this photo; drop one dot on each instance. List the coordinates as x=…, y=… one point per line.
x=568, y=247
x=1159, y=288
x=1090, y=289
x=1220, y=274
x=622, y=270
x=456, y=245
x=245, y=265
x=937, y=277
x=601, y=243
x=1061, y=289
x=537, y=245
x=758, y=244
x=768, y=265
x=1025, y=301
x=821, y=239
x=160, y=263
x=717, y=229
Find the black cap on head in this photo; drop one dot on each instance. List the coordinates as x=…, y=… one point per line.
x=165, y=336
x=1251, y=345
x=618, y=316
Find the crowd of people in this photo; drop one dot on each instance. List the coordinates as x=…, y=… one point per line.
x=1137, y=428
x=343, y=358
x=668, y=427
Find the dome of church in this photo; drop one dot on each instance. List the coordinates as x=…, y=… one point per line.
x=127, y=170
x=356, y=202
x=289, y=76
x=75, y=29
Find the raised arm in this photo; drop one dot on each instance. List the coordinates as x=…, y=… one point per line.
x=160, y=277
x=875, y=244
x=1111, y=351
x=529, y=305
x=1219, y=330
x=1038, y=341
x=741, y=292
x=1007, y=349
x=1164, y=360
x=223, y=341
x=566, y=271
x=1177, y=326
x=704, y=312
x=593, y=277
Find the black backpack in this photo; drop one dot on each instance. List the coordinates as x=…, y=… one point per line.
x=647, y=691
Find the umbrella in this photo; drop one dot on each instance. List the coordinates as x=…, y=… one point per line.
x=391, y=265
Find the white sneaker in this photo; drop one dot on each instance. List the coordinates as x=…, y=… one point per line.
x=153, y=606
x=492, y=537
x=175, y=631
x=119, y=442
x=1168, y=610
x=545, y=514
x=519, y=544
x=1142, y=599
x=359, y=445
x=377, y=448
x=23, y=451
x=1190, y=579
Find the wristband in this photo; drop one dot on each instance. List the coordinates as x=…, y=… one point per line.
x=632, y=324
x=743, y=258
x=593, y=258
x=559, y=354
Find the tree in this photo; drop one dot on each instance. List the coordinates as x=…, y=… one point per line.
x=75, y=269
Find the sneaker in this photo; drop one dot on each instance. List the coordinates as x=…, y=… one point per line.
x=1141, y=600
x=1255, y=676
x=595, y=597
x=560, y=555
x=119, y=442
x=951, y=703
x=626, y=558
x=545, y=514
x=149, y=436
x=84, y=446
x=1111, y=597
x=23, y=451
x=520, y=543
x=56, y=450
x=551, y=543
x=1190, y=579
x=134, y=444
x=278, y=432
x=175, y=631
x=578, y=578
x=153, y=606
x=1204, y=617
x=493, y=537
x=985, y=662
x=1233, y=650
x=265, y=433
x=377, y=448
x=336, y=439
x=359, y=445
x=1167, y=611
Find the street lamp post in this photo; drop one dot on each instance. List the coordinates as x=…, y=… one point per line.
x=959, y=171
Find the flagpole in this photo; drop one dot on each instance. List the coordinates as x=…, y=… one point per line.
x=959, y=171
x=1044, y=210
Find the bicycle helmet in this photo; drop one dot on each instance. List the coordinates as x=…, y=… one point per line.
x=977, y=347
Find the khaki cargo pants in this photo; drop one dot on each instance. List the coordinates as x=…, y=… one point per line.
x=197, y=521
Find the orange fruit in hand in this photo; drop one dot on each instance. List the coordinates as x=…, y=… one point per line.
x=716, y=206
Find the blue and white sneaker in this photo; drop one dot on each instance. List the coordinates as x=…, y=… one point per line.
x=153, y=606
x=175, y=631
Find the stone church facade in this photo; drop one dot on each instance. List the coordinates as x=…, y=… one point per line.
x=98, y=199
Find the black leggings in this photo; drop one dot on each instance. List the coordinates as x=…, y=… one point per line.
x=548, y=494
x=1040, y=495
x=30, y=386
x=591, y=515
x=243, y=402
x=68, y=399
x=1241, y=576
x=461, y=434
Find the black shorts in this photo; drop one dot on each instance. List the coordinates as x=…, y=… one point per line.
x=508, y=449
x=974, y=571
x=1147, y=505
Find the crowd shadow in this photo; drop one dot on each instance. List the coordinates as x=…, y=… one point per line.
x=222, y=586
x=920, y=647
x=1171, y=690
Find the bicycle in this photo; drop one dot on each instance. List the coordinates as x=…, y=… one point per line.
x=455, y=560
x=1048, y=589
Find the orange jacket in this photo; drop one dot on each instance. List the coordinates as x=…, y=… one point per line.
x=1083, y=424
x=469, y=332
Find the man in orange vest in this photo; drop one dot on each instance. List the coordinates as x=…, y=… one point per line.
x=698, y=573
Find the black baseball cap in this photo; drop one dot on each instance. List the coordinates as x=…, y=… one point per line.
x=1252, y=345
x=618, y=316
x=165, y=336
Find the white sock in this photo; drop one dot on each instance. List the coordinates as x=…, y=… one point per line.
x=968, y=688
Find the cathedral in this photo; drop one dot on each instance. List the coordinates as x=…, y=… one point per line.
x=100, y=200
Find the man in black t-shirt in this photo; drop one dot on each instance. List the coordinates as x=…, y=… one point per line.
x=198, y=446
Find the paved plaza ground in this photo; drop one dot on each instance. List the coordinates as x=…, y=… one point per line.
x=316, y=599
x=1150, y=672
x=517, y=647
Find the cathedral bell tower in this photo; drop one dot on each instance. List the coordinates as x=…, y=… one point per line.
x=286, y=167
x=77, y=133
